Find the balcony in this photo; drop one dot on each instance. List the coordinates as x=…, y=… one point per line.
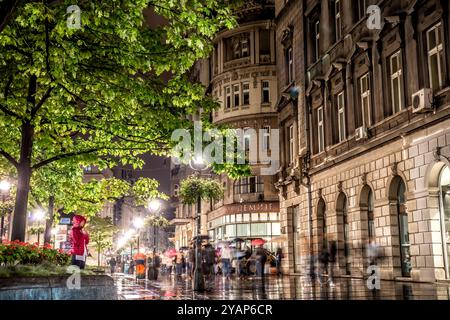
x=180, y=221
x=236, y=63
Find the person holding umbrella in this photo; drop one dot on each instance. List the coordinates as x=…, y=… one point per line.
x=260, y=257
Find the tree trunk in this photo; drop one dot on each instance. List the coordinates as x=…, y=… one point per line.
x=49, y=221
x=19, y=217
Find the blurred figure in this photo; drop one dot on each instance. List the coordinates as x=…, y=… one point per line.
x=112, y=264
x=179, y=259
x=324, y=259
x=190, y=261
x=333, y=256
x=372, y=252
x=261, y=258
x=208, y=259
x=131, y=266
x=279, y=257
x=226, y=257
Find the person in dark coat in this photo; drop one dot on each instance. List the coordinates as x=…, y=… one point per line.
x=261, y=258
x=208, y=260
x=279, y=257
x=112, y=264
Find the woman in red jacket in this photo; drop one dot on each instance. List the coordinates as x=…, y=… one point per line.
x=79, y=239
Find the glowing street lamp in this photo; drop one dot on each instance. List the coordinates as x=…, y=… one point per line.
x=138, y=223
x=38, y=215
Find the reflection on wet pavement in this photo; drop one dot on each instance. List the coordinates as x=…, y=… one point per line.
x=276, y=288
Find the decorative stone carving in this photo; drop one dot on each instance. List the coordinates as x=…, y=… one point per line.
x=340, y=186
x=364, y=179
x=394, y=169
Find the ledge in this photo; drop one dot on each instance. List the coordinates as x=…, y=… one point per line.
x=96, y=287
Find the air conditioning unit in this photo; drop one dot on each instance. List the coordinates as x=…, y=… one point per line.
x=360, y=133
x=422, y=100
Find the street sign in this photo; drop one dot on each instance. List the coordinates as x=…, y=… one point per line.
x=64, y=221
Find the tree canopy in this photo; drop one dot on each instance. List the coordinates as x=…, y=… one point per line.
x=105, y=92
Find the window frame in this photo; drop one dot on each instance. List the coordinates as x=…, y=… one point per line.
x=236, y=94
x=266, y=138
x=438, y=51
x=365, y=95
x=290, y=64
x=320, y=130
x=398, y=75
x=291, y=137
x=265, y=89
x=342, y=128
x=245, y=93
x=316, y=40
x=337, y=20
x=228, y=102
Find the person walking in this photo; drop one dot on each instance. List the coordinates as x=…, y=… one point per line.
x=208, y=260
x=79, y=239
x=179, y=264
x=279, y=257
x=226, y=257
x=190, y=261
x=112, y=264
x=324, y=259
x=333, y=256
x=261, y=258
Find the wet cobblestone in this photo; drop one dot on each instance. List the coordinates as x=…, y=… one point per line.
x=276, y=288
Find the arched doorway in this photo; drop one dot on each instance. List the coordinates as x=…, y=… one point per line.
x=342, y=215
x=397, y=194
x=444, y=197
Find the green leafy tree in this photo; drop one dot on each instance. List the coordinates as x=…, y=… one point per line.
x=96, y=93
x=101, y=232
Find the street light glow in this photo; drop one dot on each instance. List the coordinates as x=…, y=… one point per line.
x=138, y=222
x=39, y=214
x=154, y=205
x=5, y=185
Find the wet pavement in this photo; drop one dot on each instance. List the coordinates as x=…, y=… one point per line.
x=276, y=288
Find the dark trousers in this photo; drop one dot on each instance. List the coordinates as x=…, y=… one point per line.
x=79, y=263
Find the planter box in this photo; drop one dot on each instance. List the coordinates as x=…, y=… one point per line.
x=96, y=287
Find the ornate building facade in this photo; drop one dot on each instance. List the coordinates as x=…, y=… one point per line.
x=372, y=137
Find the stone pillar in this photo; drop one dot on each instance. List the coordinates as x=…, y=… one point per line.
x=325, y=23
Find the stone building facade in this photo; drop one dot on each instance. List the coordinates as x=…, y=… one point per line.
x=373, y=138
x=241, y=75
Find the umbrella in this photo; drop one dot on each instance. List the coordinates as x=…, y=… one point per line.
x=238, y=240
x=202, y=237
x=170, y=253
x=183, y=249
x=258, y=242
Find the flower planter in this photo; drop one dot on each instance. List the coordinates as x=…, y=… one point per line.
x=92, y=287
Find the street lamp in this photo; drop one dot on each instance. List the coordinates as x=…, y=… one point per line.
x=153, y=206
x=39, y=215
x=54, y=232
x=5, y=187
x=198, y=165
x=138, y=223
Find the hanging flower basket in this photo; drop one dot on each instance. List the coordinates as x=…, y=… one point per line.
x=207, y=189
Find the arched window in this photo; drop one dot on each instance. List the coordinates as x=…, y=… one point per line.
x=342, y=210
x=405, y=246
x=248, y=185
x=444, y=184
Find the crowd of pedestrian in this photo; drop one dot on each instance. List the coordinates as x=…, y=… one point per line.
x=224, y=260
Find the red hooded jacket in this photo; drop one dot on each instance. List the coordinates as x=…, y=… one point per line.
x=77, y=236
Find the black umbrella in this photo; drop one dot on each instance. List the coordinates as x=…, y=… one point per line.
x=202, y=237
x=238, y=240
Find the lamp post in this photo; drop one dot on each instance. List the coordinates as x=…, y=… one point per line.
x=5, y=187
x=198, y=164
x=39, y=215
x=154, y=206
x=138, y=223
x=54, y=232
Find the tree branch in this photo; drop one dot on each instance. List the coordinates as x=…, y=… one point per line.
x=9, y=112
x=41, y=102
x=62, y=156
x=9, y=157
